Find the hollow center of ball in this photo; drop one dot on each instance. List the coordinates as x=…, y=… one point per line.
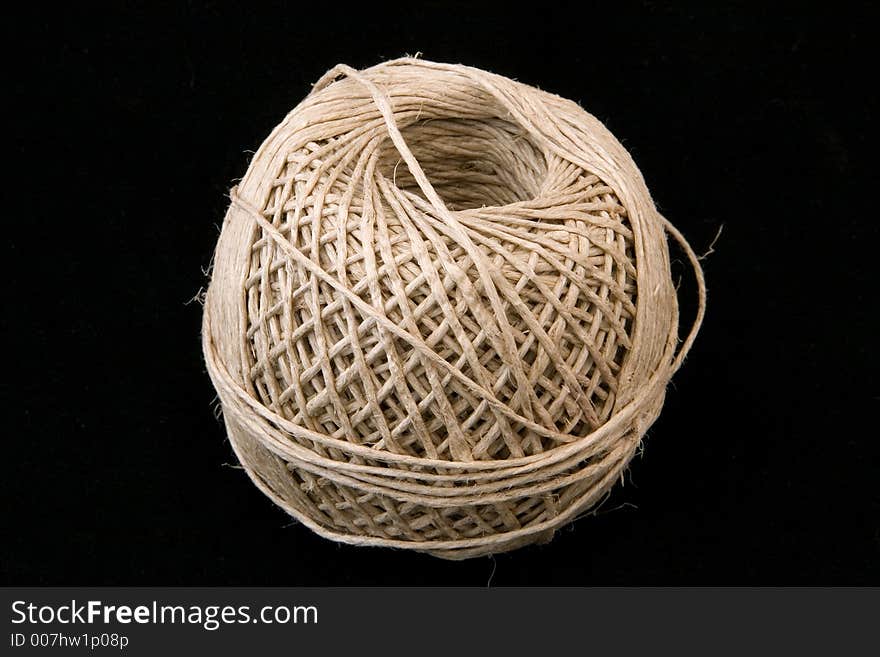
x=470, y=163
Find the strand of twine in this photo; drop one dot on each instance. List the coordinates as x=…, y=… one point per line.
x=441, y=315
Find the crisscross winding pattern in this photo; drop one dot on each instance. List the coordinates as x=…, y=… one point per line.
x=441, y=315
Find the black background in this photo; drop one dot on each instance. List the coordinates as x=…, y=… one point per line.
x=132, y=125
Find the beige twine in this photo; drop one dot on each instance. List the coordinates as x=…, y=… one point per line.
x=441, y=315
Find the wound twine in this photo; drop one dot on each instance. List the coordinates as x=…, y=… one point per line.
x=441, y=315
